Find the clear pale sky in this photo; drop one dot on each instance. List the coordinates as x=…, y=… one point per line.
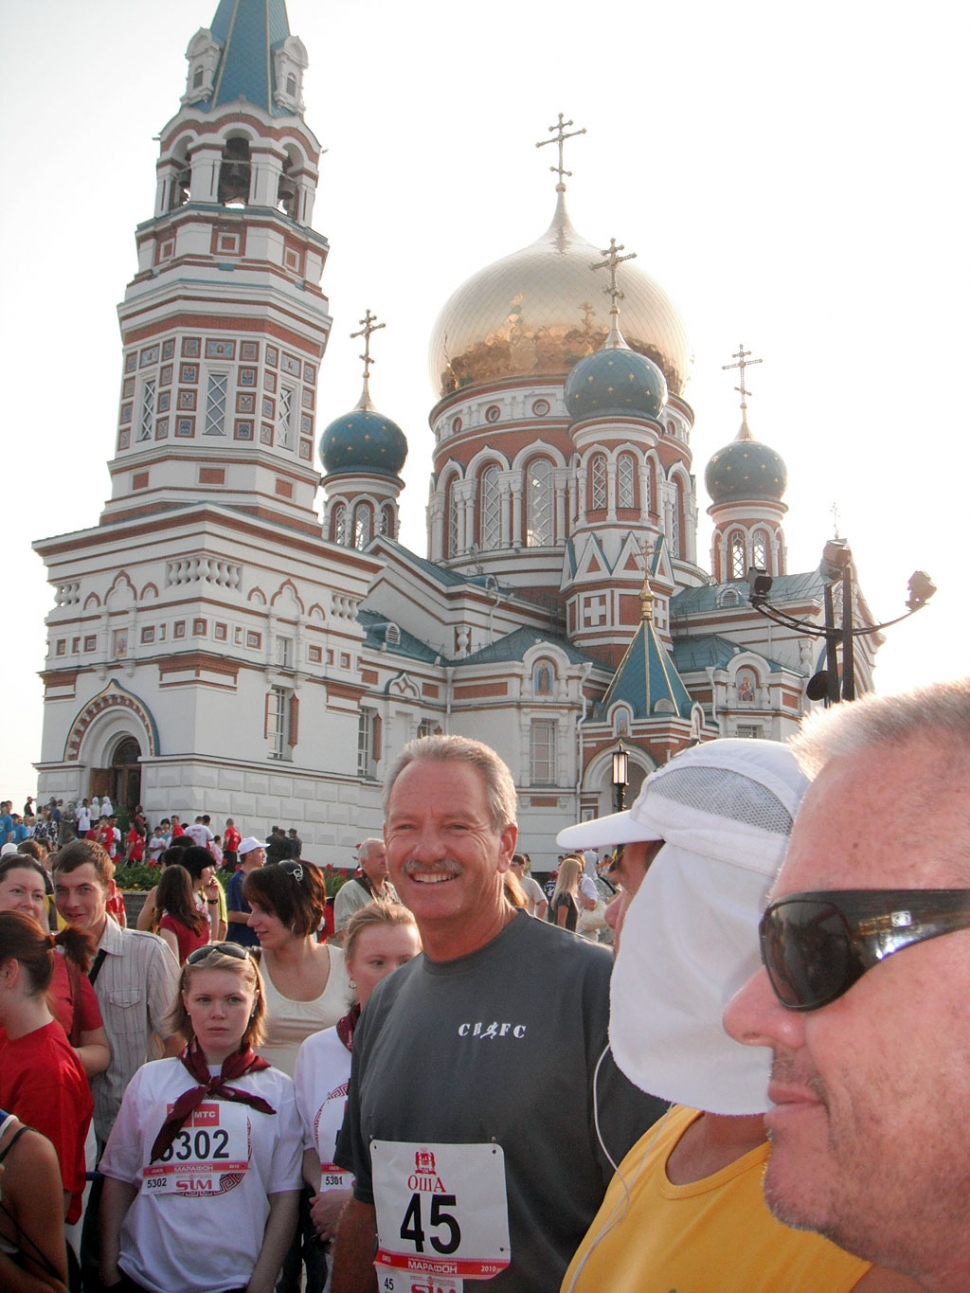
x=793, y=176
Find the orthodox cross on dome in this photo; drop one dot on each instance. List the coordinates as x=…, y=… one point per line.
x=560, y=138
x=612, y=263
x=834, y=509
x=743, y=362
x=370, y=324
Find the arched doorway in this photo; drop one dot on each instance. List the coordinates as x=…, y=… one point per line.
x=126, y=773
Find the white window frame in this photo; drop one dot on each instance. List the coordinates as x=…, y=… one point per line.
x=543, y=751
x=285, y=406
x=146, y=424
x=278, y=723
x=626, y=481
x=214, y=422
x=597, y=492
x=540, y=504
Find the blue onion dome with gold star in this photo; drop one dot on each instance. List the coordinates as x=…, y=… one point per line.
x=615, y=381
x=363, y=440
x=746, y=469
x=537, y=313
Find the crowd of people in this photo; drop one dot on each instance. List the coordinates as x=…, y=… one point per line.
x=756, y=1089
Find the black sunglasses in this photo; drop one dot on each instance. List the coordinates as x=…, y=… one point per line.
x=228, y=949
x=816, y=945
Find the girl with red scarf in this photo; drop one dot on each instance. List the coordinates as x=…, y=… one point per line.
x=216, y=1128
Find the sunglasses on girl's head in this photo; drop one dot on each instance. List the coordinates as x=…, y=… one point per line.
x=815, y=946
x=228, y=949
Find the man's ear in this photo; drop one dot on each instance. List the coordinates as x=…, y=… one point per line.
x=507, y=841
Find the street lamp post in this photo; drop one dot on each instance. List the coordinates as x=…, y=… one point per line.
x=835, y=566
x=621, y=777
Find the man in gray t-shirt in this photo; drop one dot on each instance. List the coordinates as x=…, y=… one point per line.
x=470, y=1118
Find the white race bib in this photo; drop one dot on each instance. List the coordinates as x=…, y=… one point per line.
x=208, y=1155
x=442, y=1215
x=333, y=1177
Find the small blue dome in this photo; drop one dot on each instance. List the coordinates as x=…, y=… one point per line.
x=363, y=441
x=746, y=469
x=615, y=381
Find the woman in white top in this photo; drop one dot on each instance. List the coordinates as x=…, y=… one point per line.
x=305, y=982
x=202, y=1165
x=379, y=938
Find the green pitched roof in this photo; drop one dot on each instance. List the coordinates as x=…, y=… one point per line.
x=514, y=645
x=710, y=651
x=646, y=675
x=248, y=31
x=708, y=597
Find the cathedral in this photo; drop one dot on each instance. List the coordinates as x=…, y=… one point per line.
x=242, y=633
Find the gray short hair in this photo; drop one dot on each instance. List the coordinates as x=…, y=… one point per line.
x=940, y=712
x=499, y=786
x=364, y=848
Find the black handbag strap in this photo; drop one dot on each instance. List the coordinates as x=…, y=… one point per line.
x=95, y=969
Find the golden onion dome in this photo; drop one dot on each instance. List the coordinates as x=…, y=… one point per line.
x=539, y=311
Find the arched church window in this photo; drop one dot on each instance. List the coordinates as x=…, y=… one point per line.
x=491, y=505
x=759, y=550
x=291, y=86
x=542, y=678
x=540, y=513
x=340, y=524
x=626, y=475
x=738, y=569
x=362, y=525
x=677, y=521
x=286, y=189
x=235, y=173
x=597, y=482
x=453, y=526
x=198, y=77
x=387, y=520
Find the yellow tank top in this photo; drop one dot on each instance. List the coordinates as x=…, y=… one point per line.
x=712, y=1236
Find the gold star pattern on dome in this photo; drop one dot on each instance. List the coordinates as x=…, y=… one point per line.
x=560, y=138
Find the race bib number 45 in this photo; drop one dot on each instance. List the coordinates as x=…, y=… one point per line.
x=441, y=1210
x=208, y=1155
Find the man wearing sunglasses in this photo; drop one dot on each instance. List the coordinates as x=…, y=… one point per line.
x=865, y=995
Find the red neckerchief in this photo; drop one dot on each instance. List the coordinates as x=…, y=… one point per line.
x=346, y=1026
x=234, y=1066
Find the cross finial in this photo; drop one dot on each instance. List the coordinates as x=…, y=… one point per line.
x=835, y=518
x=743, y=362
x=370, y=324
x=559, y=138
x=612, y=262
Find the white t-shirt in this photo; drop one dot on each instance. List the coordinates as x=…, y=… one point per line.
x=199, y=834
x=191, y=1227
x=83, y=821
x=534, y=893
x=322, y=1077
